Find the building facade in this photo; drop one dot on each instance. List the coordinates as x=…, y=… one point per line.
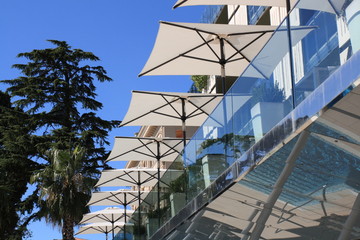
x=279, y=158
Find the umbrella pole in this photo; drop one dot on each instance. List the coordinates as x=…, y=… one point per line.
x=183, y=127
x=139, y=201
x=222, y=63
x=158, y=177
x=112, y=223
x=125, y=216
x=223, y=78
x=106, y=233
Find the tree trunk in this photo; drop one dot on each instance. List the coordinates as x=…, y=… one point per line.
x=68, y=228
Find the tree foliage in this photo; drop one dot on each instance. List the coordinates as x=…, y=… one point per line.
x=65, y=188
x=15, y=170
x=200, y=81
x=55, y=108
x=267, y=92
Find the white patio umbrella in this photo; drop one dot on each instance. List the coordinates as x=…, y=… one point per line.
x=136, y=177
x=332, y=6
x=145, y=149
x=133, y=177
x=169, y=109
x=101, y=227
x=122, y=197
x=108, y=215
x=205, y=49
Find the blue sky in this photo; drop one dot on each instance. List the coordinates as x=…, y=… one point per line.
x=121, y=33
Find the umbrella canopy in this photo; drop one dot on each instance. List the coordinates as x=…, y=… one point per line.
x=204, y=49
x=168, y=109
x=145, y=149
x=135, y=177
x=100, y=227
x=332, y=6
x=118, y=197
x=110, y=214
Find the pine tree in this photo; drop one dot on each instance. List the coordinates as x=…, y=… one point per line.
x=57, y=94
x=15, y=170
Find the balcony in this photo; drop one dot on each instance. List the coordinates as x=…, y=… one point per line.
x=233, y=163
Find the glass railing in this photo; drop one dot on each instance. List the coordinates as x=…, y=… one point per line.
x=261, y=100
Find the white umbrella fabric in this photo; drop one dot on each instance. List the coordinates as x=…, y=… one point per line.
x=205, y=49
x=331, y=6
x=101, y=227
x=200, y=49
x=169, y=108
x=145, y=149
x=135, y=177
x=122, y=197
x=111, y=215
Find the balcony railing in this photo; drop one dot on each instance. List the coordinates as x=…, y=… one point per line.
x=254, y=106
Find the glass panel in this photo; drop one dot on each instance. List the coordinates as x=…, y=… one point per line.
x=317, y=55
x=256, y=116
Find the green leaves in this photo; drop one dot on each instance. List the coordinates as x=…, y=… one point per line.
x=200, y=81
x=54, y=130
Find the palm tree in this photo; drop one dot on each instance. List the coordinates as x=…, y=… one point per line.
x=65, y=188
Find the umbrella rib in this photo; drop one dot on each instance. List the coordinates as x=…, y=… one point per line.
x=333, y=7
x=110, y=180
x=150, y=177
x=122, y=154
x=239, y=51
x=92, y=217
x=118, y=177
x=100, y=229
x=201, y=59
x=200, y=107
x=102, y=199
x=168, y=154
x=249, y=33
x=167, y=115
x=190, y=28
x=143, y=115
x=118, y=199
x=235, y=59
x=120, y=217
x=142, y=153
x=134, y=181
x=147, y=147
x=103, y=217
x=207, y=43
x=171, y=148
x=179, y=4
x=170, y=104
x=172, y=59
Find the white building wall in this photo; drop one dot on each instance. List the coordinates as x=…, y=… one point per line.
x=240, y=17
